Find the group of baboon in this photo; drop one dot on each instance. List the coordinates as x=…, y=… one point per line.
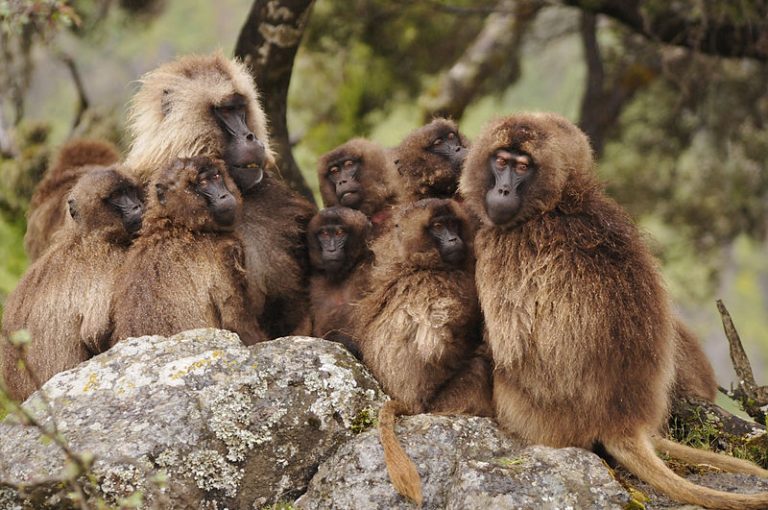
x=496, y=279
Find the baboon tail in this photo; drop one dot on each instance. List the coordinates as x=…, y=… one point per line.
x=401, y=469
x=638, y=456
x=697, y=456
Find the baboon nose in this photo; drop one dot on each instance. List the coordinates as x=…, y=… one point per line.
x=250, y=137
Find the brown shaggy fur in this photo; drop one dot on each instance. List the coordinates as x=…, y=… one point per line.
x=63, y=299
x=47, y=209
x=422, y=173
x=185, y=270
x=377, y=177
x=335, y=293
x=694, y=375
x=577, y=318
x=171, y=117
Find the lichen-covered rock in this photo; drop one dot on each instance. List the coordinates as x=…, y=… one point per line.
x=465, y=463
x=226, y=426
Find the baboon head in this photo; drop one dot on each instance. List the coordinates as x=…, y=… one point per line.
x=200, y=106
x=429, y=161
x=337, y=239
x=196, y=193
x=520, y=166
x=434, y=233
x=358, y=175
x=108, y=203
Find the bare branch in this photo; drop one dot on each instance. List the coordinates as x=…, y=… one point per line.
x=82, y=96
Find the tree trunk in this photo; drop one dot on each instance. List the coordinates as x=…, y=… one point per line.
x=498, y=44
x=268, y=43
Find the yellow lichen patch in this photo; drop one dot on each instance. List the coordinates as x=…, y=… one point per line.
x=92, y=382
x=214, y=355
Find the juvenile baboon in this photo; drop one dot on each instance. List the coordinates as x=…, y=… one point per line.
x=694, y=375
x=208, y=105
x=186, y=268
x=577, y=319
x=47, y=209
x=63, y=298
x=358, y=174
x=429, y=161
x=341, y=262
x=419, y=325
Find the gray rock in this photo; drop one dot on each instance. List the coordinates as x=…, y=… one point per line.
x=465, y=463
x=230, y=426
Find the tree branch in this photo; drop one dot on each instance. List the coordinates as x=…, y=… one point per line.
x=82, y=96
x=268, y=43
x=497, y=45
x=673, y=23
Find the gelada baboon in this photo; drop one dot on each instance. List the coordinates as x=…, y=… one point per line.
x=186, y=268
x=694, y=375
x=341, y=261
x=63, y=299
x=429, y=161
x=420, y=323
x=576, y=315
x=208, y=105
x=47, y=209
x=358, y=174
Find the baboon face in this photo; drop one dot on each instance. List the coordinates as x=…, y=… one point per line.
x=519, y=167
x=337, y=239
x=356, y=174
x=199, y=193
x=435, y=230
x=200, y=105
x=105, y=199
x=431, y=159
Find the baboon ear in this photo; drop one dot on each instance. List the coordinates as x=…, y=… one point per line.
x=160, y=190
x=72, y=208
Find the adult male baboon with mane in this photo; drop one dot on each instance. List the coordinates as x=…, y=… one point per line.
x=429, y=161
x=358, y=175
x=185, y=270
x=47, y=209
x=577, y=318
x=63, y=298
x=208, y=105
x=341, y=263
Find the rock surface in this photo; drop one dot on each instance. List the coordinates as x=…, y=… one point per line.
x=465, y=463
x=233, y=427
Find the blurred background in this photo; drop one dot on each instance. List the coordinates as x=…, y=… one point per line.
x=673, y=94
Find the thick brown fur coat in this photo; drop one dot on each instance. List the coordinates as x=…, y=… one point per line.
x=418, y=325
x=334, y=296
x=63, y=298
x=183, y=271
x=423, y=174
x=576, y=315
x=171, y=117
x=47, y=209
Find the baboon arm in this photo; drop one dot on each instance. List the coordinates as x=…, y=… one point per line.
x=430, y=319
x=96, y=323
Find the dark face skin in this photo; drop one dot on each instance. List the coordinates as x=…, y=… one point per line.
x=332, y=238
x=446, y=232
x=244, y=153
x=343, y=174
x=511, y=172
x=221, y=203
x=448, y=145
x=128, y=203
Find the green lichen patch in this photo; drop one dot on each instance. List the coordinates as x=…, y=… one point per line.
x=364, y=420
x=281, y=505
x=510, y=462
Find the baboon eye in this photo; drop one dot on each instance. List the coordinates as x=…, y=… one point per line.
x=324, y=234
x=349, y=163
x=339, y=232
x=437, y=225
x=521, y=167
x=203, y=182
x=451, y=136
x=334, y=170
x=437, y=142
x=501, y=162
x=216, y=177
